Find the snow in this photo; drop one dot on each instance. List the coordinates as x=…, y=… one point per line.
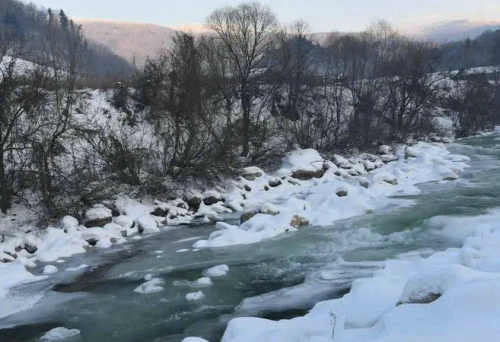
x=216, y=271
x=151, y=286
x=60, y=334
x=49, y=269
x=446, y=296
x=194, y=296
x=317, y=200
x=97, y=213
x=78, y=268
x=194, y=339
x=204, y=281
x=69, y=222
x=148, y=223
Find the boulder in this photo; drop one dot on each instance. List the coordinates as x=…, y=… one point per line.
x=384, y=149
x=298, y=222
x=194, y=203
x=341, y=162
x=341, y=193
x=308, y=174
x=69, y=222
x=98, y=216
x=387, y=158
x=275, y=182
x=160, y=212
x=31, y=249
x=247, y=188
x=92, y=241
x=147, y=224
x=247, y=216
x=365, y=183
x=251, y=173
x=124, y=221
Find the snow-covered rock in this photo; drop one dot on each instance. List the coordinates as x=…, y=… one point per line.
x=152, y=286
x=49, y=269
x=194, y=296
x=147, y=224
x=60, y=334
x=216, y=271
x=98, y=216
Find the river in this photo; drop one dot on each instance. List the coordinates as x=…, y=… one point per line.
x=278, y=278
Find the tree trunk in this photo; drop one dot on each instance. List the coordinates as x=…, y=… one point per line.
x=5, y=191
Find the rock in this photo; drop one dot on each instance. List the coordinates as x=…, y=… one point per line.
x=147, y=224
x=291, y=181
x=251, y=173
x=369, y=165
x=365, y=183
x=266, y=188
x=275, y=182
x=69, y=222
x=392, y=181
x=50, y=269
x=341, y=162
x=450, y=176
x=384, y=149
x=160, y=212
x=194, y=203
x=247, y=216
x=124, y=233
x=216, y=271
x=193, y=296
x=92, y=241
x=211, y=200
x=60, y=334
x=98, y=216
x=247, y=188
x=298, y=222
x=12, y=255
x=387, y=158
x=31, y=249
x=341, y=193
x=124, y=221
x=308, y=174
x=410, y=152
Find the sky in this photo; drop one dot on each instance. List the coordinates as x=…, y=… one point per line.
x=322, y=15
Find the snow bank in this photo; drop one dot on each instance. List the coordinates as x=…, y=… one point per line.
x=448, y=296
x=344, y=190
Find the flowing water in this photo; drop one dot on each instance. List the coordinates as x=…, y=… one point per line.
x=279, y=278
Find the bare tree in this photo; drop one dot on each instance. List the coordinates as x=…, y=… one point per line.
x=246, y=32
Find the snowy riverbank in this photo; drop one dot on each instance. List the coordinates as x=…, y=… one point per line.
x=307, y=190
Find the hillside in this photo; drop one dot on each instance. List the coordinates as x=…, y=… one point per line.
x=129, y=40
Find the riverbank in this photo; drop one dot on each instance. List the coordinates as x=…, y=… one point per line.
x=298, y=195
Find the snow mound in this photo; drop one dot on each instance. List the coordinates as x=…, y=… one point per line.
x=194, y=296
x=151, y=286
x=59, y=334
x=49, y=269
x=216, y=271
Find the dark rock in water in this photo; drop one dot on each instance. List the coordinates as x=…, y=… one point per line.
x=266, y=188
x=248, y=188
x=92, y=241
x=99, y=222
x=429, y=298
x=140, y=229
x=247, y=216
x=124, y=233
x=194, y=203
x=181, y=205
x=31, y=249
x=18, y=249
x=307, y=174
x=160, y=212
x=210, y=200
x=115, y=212
x=13, y=255
x=342, y=193
x=274, y=183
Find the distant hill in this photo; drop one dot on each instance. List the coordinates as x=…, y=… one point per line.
x=132, y=41
x=450, y=31
x=27, y=24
